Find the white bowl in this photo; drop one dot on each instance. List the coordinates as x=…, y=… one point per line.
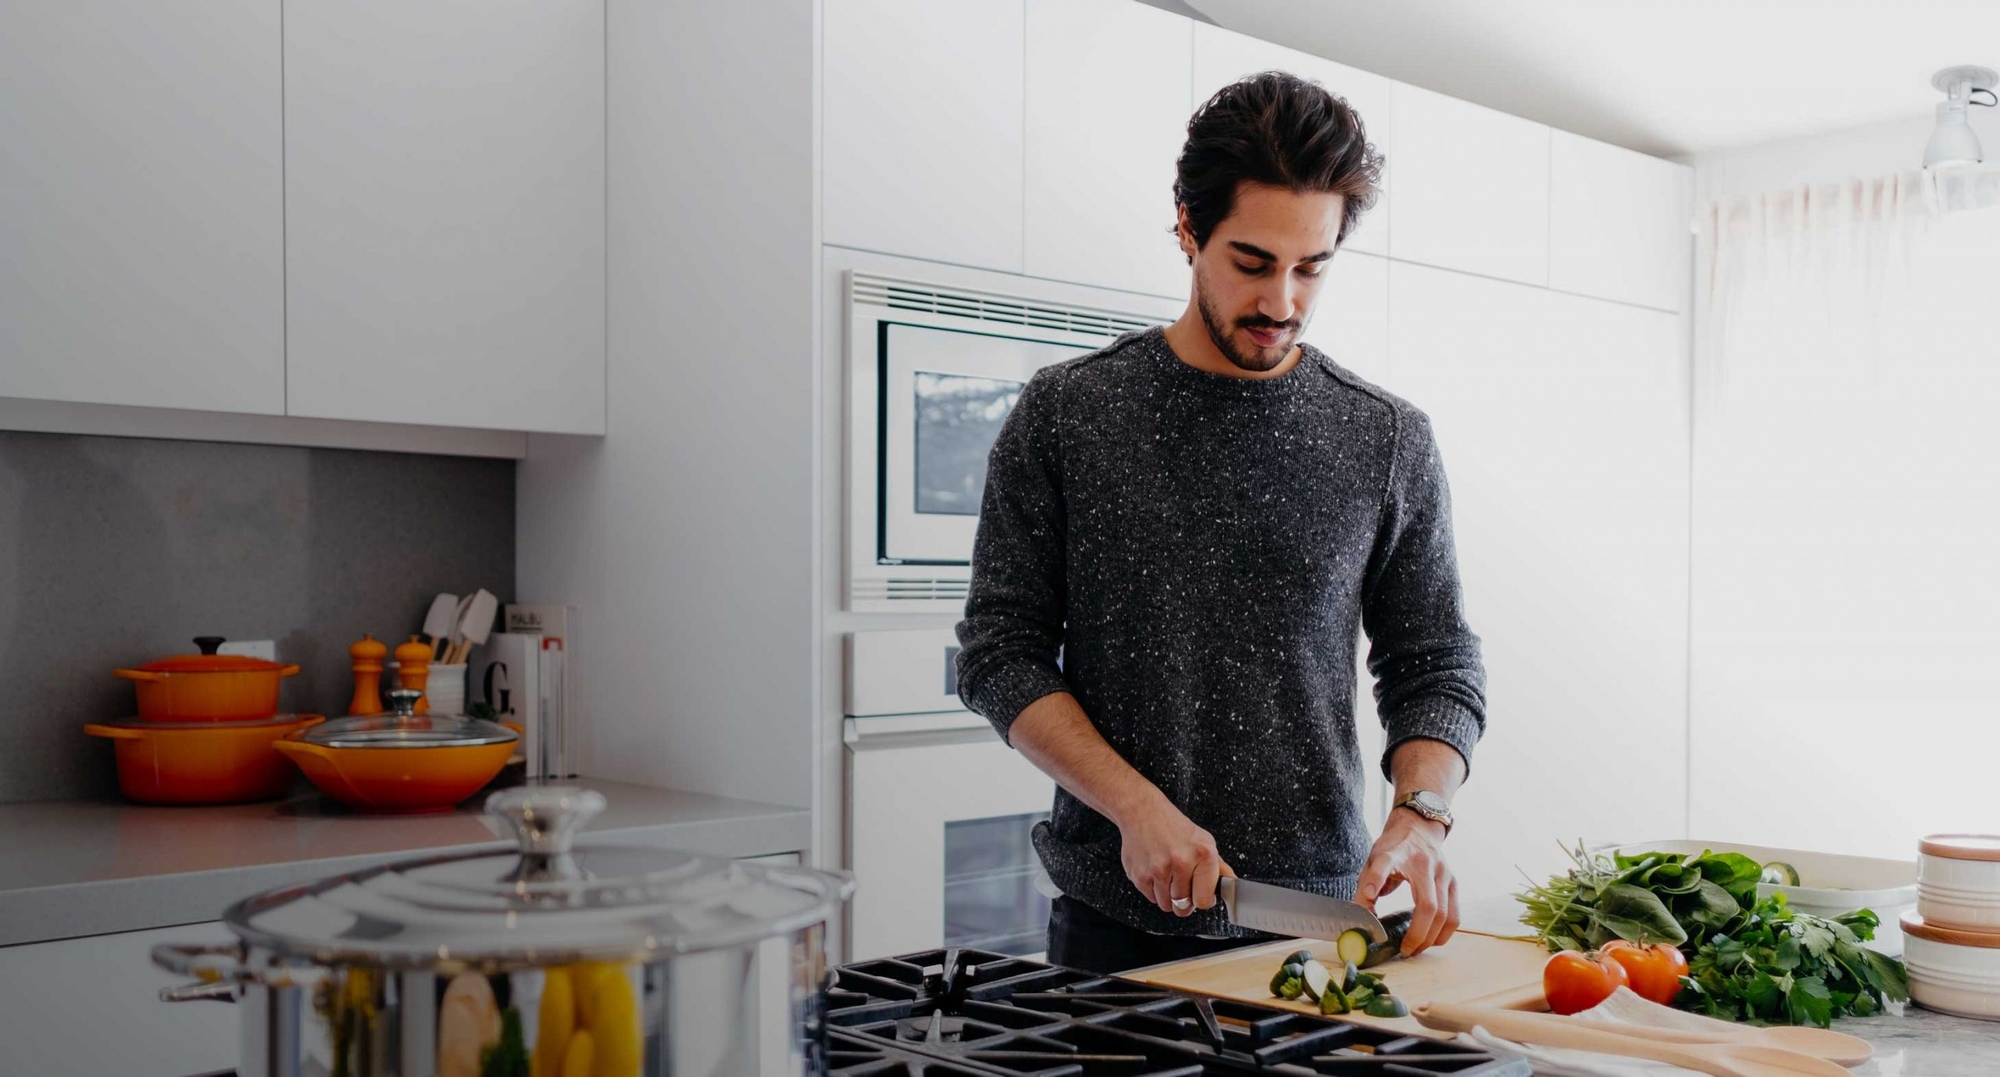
x=1952, y=971
x=1967, y=910
x=1968, y=864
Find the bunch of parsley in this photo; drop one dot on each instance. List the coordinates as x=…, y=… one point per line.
x=1782, y=966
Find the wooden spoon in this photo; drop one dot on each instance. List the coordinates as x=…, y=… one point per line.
x=1548, y=1030
x=1819, y=1042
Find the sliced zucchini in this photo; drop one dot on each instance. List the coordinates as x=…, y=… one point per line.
x=1370, y=980
x=1395, y=925
x=1386, y=1006
x=1299, y=957
x=1317, y=979
x=1353, y=946
x=1287, y=972
x=1780, y=873
x=1291, y=988
x=1334, y=1001
x=1350, y=977
x=1359, y=997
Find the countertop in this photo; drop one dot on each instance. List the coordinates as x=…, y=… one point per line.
x=88, y=867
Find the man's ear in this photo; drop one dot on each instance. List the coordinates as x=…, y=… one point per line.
x=1188, y=245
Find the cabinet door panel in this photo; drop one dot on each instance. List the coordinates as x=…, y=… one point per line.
x=1223, y=56
x=141, y=219
x=1618, y=223
x=1562, y=421
x=444, y=206
x=1107, y=86
x=922, y=115
x=1472, y=188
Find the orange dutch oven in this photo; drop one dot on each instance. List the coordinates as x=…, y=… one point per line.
x=401, y=762
x=207, y=687
x=202, y=763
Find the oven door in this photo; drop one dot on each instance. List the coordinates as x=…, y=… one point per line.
x=945, y=393
x=939, y=814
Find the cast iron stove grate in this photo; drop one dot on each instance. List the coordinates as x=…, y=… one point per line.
x=971, y=1013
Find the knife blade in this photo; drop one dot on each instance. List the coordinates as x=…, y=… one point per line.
x=1284, y=911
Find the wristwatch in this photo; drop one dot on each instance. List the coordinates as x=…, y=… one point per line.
x=1429, y=805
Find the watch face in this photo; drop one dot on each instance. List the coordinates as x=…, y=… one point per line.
x=1427, y=804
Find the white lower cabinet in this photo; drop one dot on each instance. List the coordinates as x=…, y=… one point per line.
x=1562, y=421
x=91, y=1006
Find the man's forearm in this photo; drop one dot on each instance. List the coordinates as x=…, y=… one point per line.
x=1057, y=737
x=1422, y=763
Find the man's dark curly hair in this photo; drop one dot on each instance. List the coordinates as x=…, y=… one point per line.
x=1282, y=131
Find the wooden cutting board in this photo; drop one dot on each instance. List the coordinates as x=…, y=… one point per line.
x=1471, y=967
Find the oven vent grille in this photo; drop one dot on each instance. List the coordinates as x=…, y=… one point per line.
x=899, y=294
x=911, y=589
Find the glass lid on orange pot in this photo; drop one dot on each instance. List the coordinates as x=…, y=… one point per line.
x=404, y=729
x=210, y=662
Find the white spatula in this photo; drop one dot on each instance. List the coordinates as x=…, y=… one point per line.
x=476, y=625
x=438, y=622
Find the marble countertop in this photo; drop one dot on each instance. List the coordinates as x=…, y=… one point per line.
x=89, y=867
x=1924, y=1043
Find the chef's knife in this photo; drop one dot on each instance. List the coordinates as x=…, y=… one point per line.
x=1282, y=911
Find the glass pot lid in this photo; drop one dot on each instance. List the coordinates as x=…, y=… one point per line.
x=539, y=905
x=403, y=728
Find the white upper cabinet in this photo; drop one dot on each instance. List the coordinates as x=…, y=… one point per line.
x=1223, y=56
x=1107, y=92
x=444, y=208
x=1351, y=320
x=1618, y=223
x=921, y=120
x=141, y=218
x=1472, y=188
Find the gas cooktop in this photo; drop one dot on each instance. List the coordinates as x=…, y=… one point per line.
x=969, y=1013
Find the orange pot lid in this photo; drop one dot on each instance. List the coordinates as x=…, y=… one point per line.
x=299, y=721
x=1915, y=927
x=210, y=663
x=1962, y=846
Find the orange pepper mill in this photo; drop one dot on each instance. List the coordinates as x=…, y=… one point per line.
x=368, y=654
x=413, y=668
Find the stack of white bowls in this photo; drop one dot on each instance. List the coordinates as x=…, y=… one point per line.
x=1952, y=940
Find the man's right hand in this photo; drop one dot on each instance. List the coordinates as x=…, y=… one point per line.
x=1167, y=857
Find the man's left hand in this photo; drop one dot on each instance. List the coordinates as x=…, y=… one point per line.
x=1409, y=851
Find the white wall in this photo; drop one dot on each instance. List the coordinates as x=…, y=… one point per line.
x=687, y=534
x=1872, y=150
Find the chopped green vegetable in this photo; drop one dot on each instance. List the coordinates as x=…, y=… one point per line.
x=1359, y=997
x=1286, y=972
x=1353, y=946
x=1350, y=977
x=1749, y=959
x=1333, y=1001
x=1299, y=957
x=1317, y=979
x=1386, y=1006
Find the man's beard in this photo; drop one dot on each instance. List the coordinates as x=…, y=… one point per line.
x=1256, y=360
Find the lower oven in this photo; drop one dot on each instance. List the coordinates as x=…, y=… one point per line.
x=939, y=810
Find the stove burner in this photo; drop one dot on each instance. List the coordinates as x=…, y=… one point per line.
x=971, y=1013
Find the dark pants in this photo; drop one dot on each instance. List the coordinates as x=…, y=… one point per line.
x=1083, y=938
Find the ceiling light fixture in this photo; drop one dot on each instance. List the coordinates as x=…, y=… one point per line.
x=1954, y=141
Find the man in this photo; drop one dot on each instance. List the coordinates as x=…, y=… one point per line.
x=1194, y=521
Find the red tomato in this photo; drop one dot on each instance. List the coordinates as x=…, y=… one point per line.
x=1576, y=981
x=1655, y=971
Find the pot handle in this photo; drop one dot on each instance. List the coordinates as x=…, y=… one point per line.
x=209, y=962
x=199, y=992
x=138, y=675
x=112, y=731
x=288, y=670
x=298, y=747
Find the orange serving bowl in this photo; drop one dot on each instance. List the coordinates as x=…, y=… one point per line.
x=202, y=763
x=399, y=779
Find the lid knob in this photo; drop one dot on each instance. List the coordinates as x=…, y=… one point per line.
x=403, y=701
x=545, y=819
x=209, y=644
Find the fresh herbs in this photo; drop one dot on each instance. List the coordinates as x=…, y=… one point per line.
x=1748, y=959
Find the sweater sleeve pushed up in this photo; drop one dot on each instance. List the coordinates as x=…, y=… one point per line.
x=1429, y=680
x=1013, y=627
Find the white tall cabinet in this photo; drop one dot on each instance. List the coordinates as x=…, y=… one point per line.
x=141, y=220
x=921, y=111
x=1107, y=82
x=1472, y=188
x=1597, y=244
x=1562, y=422
x=444, y=209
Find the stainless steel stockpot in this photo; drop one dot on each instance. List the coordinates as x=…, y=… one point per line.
x=610, y=961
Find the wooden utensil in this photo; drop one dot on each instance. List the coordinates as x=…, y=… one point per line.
x=438, y=622
x=475, y=625
x=1549, y=1030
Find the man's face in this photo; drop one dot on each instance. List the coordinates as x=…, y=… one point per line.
x=1256, y=280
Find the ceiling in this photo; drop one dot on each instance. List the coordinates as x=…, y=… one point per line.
x=1673, y=78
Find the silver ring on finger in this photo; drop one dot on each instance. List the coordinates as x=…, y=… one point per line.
x=1182, y=904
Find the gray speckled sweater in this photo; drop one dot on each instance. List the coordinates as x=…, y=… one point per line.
x=1200, y=550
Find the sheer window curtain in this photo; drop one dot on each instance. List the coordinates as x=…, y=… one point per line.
x=1846, y=515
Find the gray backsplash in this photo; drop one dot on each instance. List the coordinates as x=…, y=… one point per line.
x=115, y=551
